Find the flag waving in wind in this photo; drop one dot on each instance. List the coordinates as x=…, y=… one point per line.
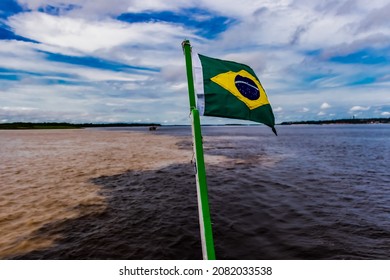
x=230, y=90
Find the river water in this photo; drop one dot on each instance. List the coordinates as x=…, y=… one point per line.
x=313, y=192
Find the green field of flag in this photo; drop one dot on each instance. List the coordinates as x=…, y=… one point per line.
x=230, y=90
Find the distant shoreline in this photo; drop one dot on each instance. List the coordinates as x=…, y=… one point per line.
x=342, y=121
x=65, y=125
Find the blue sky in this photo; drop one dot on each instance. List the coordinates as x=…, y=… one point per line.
x=121, y=60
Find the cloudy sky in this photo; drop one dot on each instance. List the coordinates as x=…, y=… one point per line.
x=121, y=60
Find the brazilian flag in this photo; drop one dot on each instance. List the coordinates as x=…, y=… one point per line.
x=230, y=90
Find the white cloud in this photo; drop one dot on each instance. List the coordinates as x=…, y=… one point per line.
x=278, y=109
x=17, y=109
x=325, y=105
x=376, y=19
x=385, y=114
x=90, y=36
x=304, y=110
x=359, y=108
x=97, y=8
x=137, y=6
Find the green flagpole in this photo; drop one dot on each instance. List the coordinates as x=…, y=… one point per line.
x=201, y=184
